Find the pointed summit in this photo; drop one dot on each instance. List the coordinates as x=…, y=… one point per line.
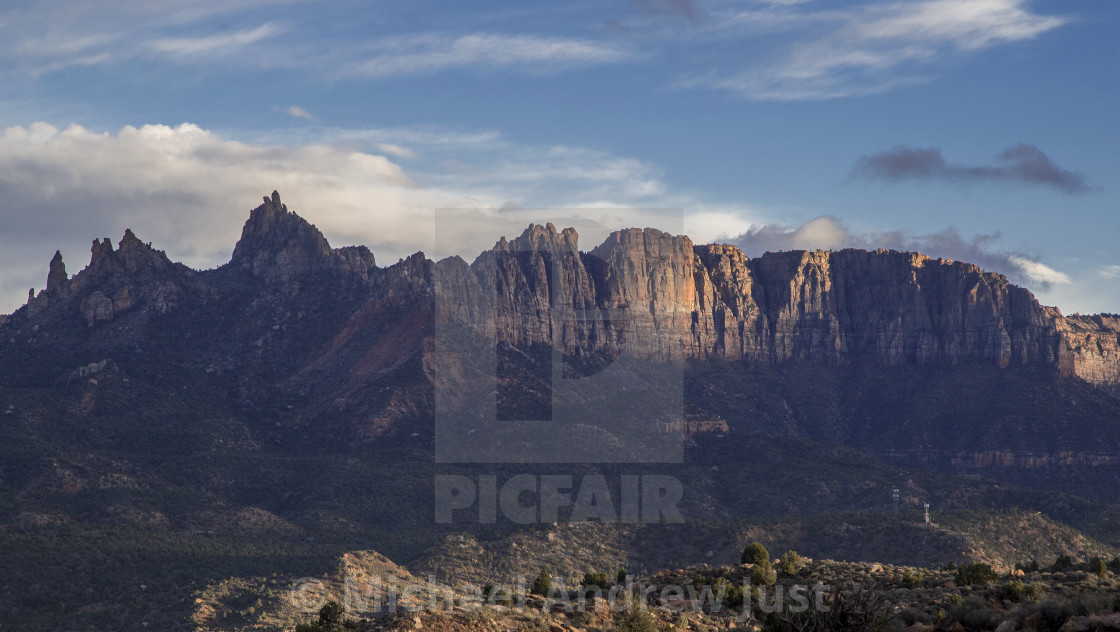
x=278, y=244
x=545, y=238
x=57, y=279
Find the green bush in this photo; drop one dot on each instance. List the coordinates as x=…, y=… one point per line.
x=790, y=562
x=1061, y=564
x=1098, y=567
x=635, y=618
x=1014, y=590
x=542, y=584
x=755, y=553
x=763, y=575
x=976, y=574
x=912, y=579
x=621, y=576
x=975, y=613
x=330, y=620
x=860, y=609
x=1028, y=567
x=596, y=579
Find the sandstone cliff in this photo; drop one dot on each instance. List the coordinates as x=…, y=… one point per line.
x=641, y=291
x=658, y=295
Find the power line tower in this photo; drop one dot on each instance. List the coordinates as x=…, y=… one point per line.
x=895, y=496
x=926, y=505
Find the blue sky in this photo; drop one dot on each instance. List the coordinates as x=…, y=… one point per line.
x=971, y=129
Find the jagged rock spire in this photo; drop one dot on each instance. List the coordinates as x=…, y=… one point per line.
x=99, y=248
x=278, y=244
x=57, y=279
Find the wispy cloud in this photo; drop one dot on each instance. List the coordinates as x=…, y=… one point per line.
x=296, y=111
x=829, y=233
x=1110, y=272
x=46, y=37
x=1019, y=163
x=432, y=53
x=395, y=150
x=872, y=48
x=220, y=44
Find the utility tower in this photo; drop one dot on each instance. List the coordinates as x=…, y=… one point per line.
x=926, y=505
x=895, y=496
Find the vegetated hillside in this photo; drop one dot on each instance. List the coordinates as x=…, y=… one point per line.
x=86, y=527
x=841, y=596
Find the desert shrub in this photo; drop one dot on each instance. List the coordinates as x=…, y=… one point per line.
x=755, y=553
x=1061, y=564
x=1033, y=592
x=1098, y=567
x=1115, y=564
x=736, y=596
x=329, y=620
x=1057, y=610
x=596, y=579
x=620, y=577
x=975, y=574
x=910, y=616
x=975, y=613
x=635, y=617
x=790, y=562
x=1028, y=567
x=913, y=579
x=542, y=584
x=763, y=575
x=858, y=610
x=1014, y=590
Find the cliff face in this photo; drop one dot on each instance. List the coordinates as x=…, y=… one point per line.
x=660, y=296
x=1091, y=350
x=641, y=291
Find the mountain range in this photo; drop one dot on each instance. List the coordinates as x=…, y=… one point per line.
x=286, y=406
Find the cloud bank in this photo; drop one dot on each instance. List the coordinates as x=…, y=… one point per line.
x=189, y=190
x=829, y=233
x=1019, y=163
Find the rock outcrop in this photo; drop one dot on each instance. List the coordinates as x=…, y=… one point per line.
x=661, y=296
x=642, y=291
x=279, y=246
x=57, y=279
x=1091, y=349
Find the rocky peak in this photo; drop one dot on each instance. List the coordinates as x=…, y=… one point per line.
x=57, y=279
x=100, y=251
x=537, y=238
x=277, y=244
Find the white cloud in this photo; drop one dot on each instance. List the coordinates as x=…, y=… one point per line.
x=45, y=37
x=188, y=191
x=1038, y=272
x=296, y=111
x=830, y=233
x=224, y=43
x=876, y=47
x=1109, y=272
x=432, y=53
x=395, y=150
